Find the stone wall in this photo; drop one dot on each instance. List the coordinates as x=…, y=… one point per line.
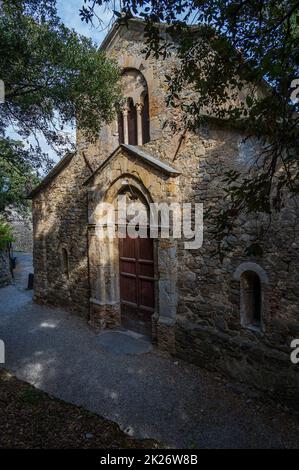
x=60, y=223
x=22, y=231
x=5, y=274
x=208, y=329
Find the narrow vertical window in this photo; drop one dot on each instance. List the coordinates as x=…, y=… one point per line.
x=121, y=135
x=145, y=120
x=132, y=123
x=251, y=298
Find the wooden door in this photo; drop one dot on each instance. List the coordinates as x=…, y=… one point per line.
x=137, y=283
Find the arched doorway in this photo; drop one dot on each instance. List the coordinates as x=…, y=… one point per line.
x=137, y=267
x=126, y=171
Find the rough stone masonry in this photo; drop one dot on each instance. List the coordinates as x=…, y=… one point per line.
x=237, y=317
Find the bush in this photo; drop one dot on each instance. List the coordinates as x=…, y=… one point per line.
x=6, y=235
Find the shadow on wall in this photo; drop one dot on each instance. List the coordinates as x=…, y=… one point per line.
x=60, y=255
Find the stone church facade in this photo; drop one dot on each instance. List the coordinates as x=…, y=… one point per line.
x=239, y=316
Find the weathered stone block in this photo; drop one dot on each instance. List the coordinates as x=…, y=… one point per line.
x=104, y=316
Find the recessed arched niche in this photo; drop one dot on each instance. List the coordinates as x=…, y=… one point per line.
x=253, y=295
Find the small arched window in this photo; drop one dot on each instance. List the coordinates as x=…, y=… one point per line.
x=65, y=262
x=134, y=120
x=251, y=300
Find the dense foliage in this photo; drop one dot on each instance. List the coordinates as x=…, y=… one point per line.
x=17, y=176
x=53, y=78
x=6, y=234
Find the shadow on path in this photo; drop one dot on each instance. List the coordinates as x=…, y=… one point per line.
x=148, y=395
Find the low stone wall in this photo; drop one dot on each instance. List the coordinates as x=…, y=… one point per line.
x=22, y=232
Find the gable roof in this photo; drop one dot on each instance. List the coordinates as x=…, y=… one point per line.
x=51, y=175
x=133, y=24
x=110, y=36
x=142, y=156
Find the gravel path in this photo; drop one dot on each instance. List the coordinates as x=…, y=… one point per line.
x=148, y=395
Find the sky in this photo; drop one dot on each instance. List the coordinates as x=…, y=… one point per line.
x=68, y=10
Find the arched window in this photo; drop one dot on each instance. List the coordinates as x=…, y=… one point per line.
x=65, y=262
x=251, y=300
x=134, y=122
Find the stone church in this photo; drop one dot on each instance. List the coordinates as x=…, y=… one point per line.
x=236, y=317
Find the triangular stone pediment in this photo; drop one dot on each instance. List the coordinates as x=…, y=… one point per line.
x=139, y=156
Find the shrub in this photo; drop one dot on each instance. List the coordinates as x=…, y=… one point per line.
x=6, y=235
